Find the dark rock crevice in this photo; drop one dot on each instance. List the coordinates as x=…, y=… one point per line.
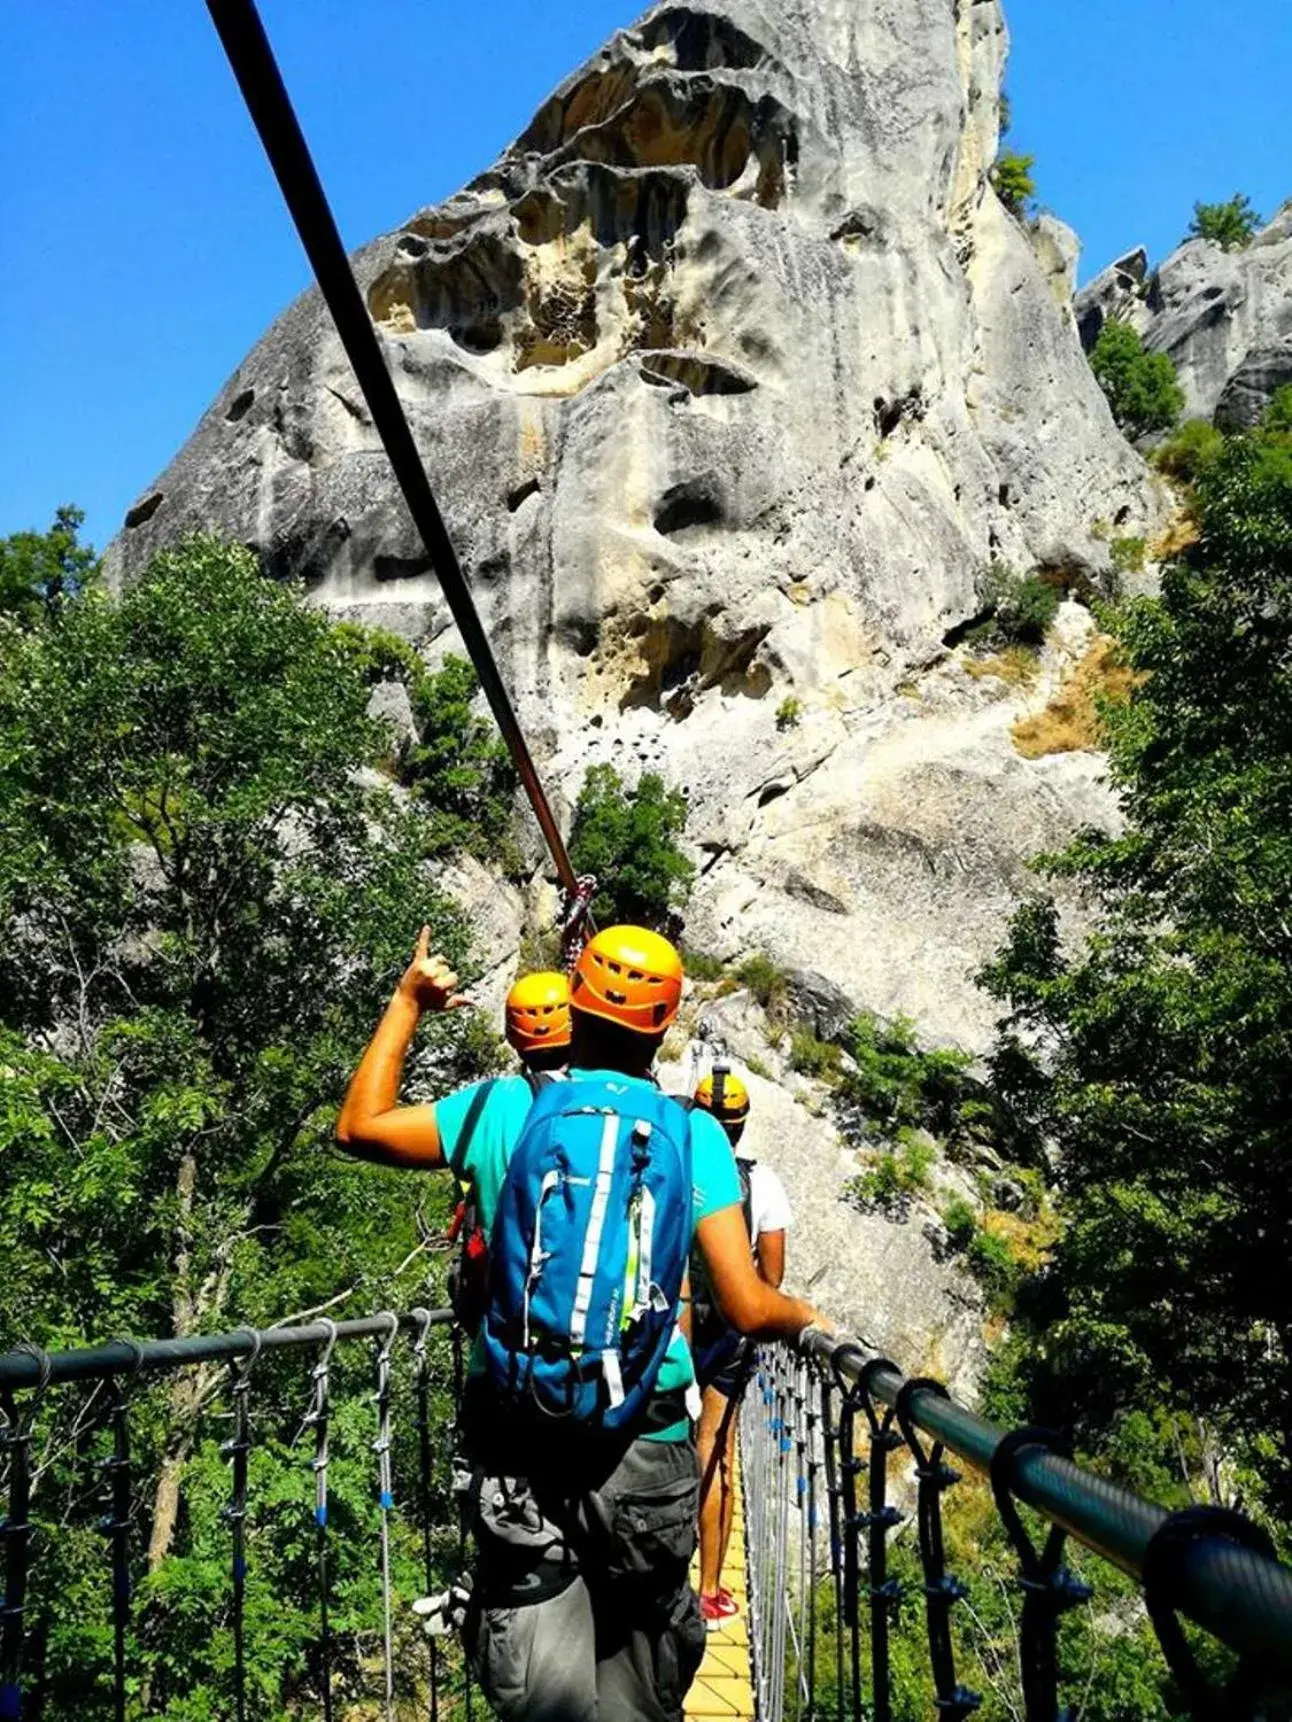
x=693, y=503
x=697, y=373
x=701, y=41
x=682, y=659
x=142, y=512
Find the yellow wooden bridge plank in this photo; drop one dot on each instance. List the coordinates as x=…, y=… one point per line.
x=719, y=1695
x=723, y=1687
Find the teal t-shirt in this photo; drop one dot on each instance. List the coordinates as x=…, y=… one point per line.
x=479, y=1128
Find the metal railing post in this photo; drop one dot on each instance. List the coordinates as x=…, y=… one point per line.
x=116, y=1526
x=1049, y=1589
x=941, y=1590
x=16, y=1532
x=236, y=1450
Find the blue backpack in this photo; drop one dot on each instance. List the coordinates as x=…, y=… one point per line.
x=588, y=1252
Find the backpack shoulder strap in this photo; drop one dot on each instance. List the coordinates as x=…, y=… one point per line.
x=479, y=1100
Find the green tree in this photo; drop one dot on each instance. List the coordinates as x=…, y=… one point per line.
x=1276, y=421
x=460, y=768
x=893, y=1084
x=629, y=840
x=205, y=903
x=1013, y=181
x=1157, y=1058
x=38, y=570
x=1141, y=387
x=1231, y=225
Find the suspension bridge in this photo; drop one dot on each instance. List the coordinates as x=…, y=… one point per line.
x=810, y=1562
x=813, y=1640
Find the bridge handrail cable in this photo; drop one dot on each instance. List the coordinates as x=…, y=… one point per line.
x=126, y=1357
x=1240, y=1596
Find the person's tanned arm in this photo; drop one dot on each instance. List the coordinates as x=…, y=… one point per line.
x=751, y=1305
x=372, y=1124
x=770, y=1250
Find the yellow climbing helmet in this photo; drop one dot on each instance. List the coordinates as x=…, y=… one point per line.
x=629, y=976
x=725, y=1096
x=538, y=1013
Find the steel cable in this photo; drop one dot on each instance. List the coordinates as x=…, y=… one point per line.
x=318, y=1419
x=800, y=1490
x=236, y=1450
x=251, y=58
x=386, y=1502
x=116, y=1525
x=421, y=1391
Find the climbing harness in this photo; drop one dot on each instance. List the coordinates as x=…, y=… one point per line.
x=117, y=1522
x=317, y=1418
x=236, y=1451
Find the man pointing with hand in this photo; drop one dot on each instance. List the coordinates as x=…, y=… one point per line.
x=585, y=1490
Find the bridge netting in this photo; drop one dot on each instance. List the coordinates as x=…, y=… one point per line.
x=840, y=1455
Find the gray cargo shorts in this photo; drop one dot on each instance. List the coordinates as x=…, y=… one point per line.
x=614, y=1632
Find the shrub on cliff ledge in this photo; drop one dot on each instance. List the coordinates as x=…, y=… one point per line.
x=1189, y=451
x=1013, y=181
x=1231, y=225
x=1141, y=387
x=628, y=838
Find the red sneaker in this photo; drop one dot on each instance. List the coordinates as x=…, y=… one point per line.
x=717, y=1610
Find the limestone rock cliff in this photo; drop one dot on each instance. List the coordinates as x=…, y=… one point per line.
x=732, y=376
x=1223, y=317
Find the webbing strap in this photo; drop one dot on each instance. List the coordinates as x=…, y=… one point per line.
x=596, y=1225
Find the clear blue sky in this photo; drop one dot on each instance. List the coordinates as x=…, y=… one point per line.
x=143, y=247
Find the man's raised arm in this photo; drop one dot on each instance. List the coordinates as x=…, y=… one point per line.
x=372, y=1124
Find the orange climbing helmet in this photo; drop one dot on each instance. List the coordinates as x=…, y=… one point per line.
x=629, y=976
x=538, y=1013
x=724, y=1095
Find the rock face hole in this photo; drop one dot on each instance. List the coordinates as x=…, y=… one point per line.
x=240, y=406
x=682, y=659
x=399, y=567
x=687, y=506
x=697, y=373
x=144, y=511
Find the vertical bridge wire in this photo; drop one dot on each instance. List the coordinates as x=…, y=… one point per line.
x=386, y=1502
x=236, y=1450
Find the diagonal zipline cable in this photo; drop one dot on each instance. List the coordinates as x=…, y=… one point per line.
x=252, y=59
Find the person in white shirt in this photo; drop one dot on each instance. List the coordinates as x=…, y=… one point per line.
x=722, y=1357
